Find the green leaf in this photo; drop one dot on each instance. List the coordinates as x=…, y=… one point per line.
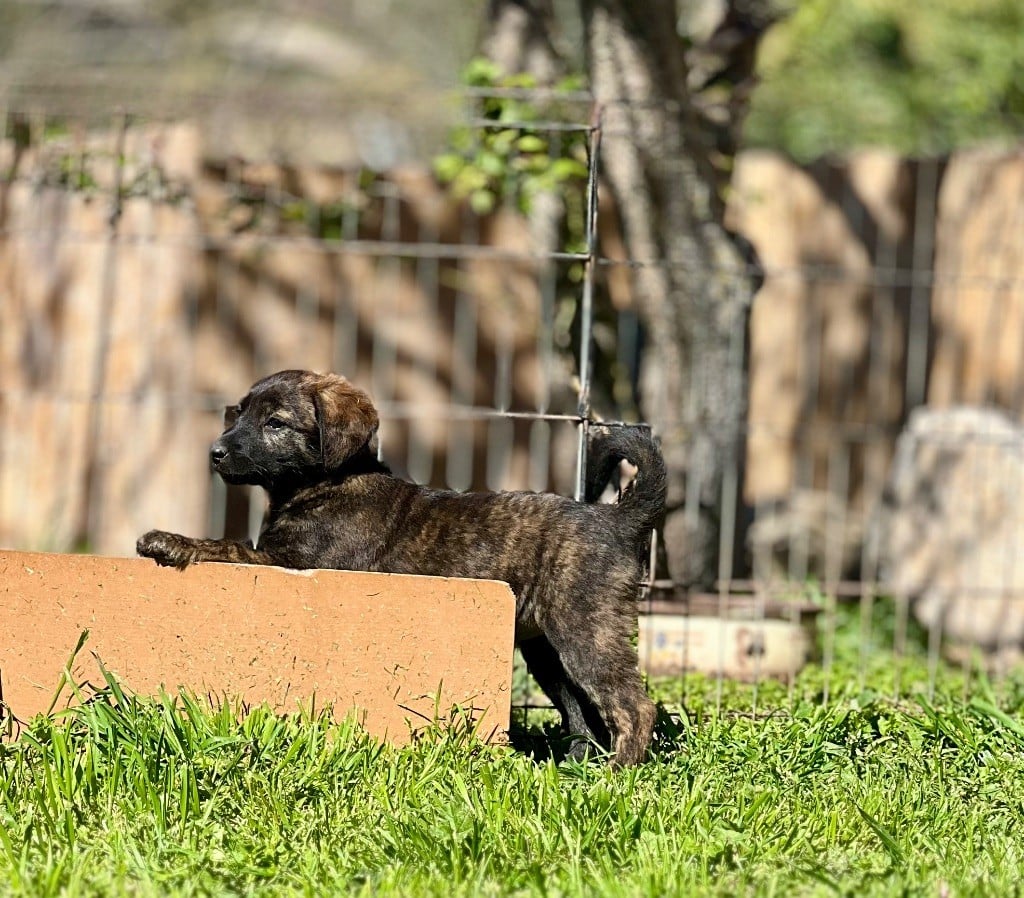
x=566, y=169
x=503, y=140
x=482, y=201
x=448, y=165
x=490, y=163
x=531, y=143
x=481, y=72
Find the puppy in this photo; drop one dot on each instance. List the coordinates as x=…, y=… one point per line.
x=309, y=440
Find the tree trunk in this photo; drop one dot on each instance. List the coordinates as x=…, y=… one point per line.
x=519, y=37
x=692, y=279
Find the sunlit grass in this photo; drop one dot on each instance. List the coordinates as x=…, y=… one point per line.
x=920, y=794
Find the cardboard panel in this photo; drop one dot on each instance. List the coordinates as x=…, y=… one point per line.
x=385, y=646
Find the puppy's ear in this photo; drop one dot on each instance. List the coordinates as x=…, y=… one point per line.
x=345, y=417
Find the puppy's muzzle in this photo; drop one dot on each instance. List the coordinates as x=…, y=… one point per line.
x=231, y=463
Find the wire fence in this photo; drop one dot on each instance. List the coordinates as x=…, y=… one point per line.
x=150, y=272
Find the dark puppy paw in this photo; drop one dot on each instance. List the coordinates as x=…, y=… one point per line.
x=167, y=549
x=583, y=751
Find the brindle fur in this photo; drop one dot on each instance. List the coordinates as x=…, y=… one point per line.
x=309, y=440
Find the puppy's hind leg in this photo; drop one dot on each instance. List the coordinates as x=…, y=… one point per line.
x=601, y=661
x=580, y=719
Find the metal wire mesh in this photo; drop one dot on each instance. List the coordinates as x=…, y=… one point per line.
x=148, y=276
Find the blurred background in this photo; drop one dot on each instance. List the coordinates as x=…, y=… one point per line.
x=789, y=236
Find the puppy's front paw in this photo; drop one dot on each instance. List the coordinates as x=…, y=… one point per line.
x=167, y=549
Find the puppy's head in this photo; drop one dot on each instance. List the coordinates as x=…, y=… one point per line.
x=293, y=424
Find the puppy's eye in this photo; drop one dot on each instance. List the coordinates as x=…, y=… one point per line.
x=275, y=423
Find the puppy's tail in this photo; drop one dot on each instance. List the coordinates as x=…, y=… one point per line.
x=643, y=500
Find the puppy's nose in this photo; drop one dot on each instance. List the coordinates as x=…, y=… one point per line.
x=217, y=454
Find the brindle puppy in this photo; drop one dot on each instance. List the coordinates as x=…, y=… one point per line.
x=308, y=439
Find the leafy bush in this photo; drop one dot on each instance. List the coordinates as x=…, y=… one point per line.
x=918, y=77
x=520, y=155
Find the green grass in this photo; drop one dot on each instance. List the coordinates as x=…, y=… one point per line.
x=867, y=795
